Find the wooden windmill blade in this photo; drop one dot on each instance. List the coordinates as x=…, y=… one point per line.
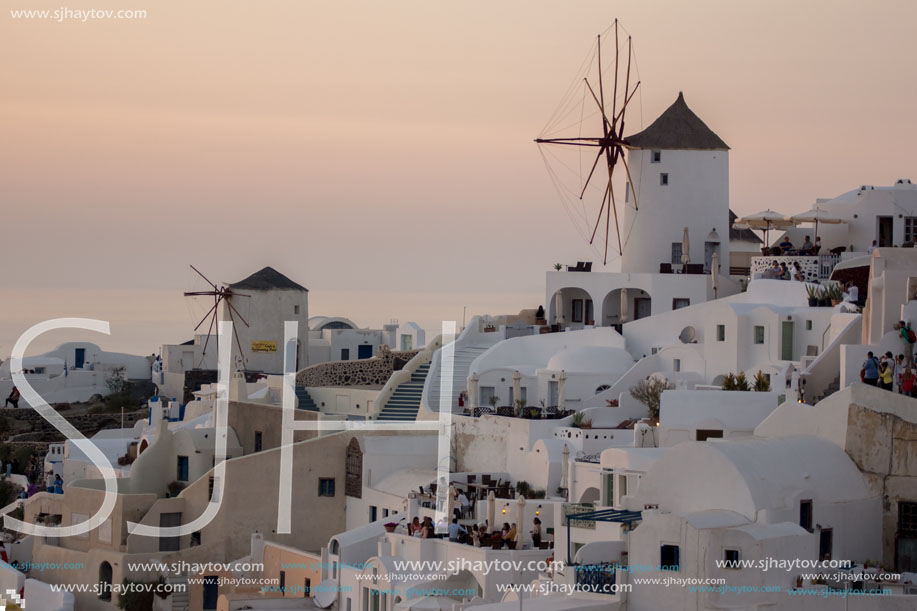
x=219, y=294
x=610, y=143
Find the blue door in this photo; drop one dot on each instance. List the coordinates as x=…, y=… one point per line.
x=79, y=358
x=364, y=352
x=182, y=468
x=211, y=592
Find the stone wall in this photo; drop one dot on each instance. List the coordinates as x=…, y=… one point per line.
x=88, y=424
x=373, y=371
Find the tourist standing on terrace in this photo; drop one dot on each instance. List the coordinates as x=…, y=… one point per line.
x=869, y=373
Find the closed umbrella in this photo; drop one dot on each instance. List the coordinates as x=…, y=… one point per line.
x=685, y=248
x=714, y=271
x=766, y=220
x=561, y=398
x=491, y=510
x=450, y=504
x=517, y=387
x=565, y=460
x=558, y=308
x=520, y=521
x=817, y=215
x=473, y=390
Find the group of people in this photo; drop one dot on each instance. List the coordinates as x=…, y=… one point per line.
x=780, y=271
x=893, y=373
x=808, y=247
x=478, y=536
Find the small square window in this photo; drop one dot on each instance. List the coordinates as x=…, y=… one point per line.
x=808, y=325
x=731, y=558
x=326, y=486
x=721, y=333
x=759, y=334
x=657, y=156
x=663, y=178
x=668, y=557
x=676, y=365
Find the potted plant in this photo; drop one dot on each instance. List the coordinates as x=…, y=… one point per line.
x=519, y=408
x=762, y=384
x=493, y=401
x=823, y=297
x=558, y=267
x=835, y=294
x=390, y=526
x=812, y=292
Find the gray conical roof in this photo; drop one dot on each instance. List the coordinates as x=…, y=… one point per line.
x=267, y=279
x=677, y=128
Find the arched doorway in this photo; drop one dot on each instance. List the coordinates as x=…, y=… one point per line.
x=625, y=305
x=571, y=307
x=590, y=495
x=105, y=577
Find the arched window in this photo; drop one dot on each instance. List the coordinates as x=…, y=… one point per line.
x=353, y=484
x=602, y=388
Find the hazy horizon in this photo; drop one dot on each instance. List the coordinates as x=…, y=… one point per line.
x=383, y=152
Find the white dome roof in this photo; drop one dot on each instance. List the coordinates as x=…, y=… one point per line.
x=591, y=359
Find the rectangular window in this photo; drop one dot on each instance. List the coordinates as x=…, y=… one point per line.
x=705, y=434
x=385, y=513
x=326, y=486
x=283, y=581
x=910, y=229
x=373, y=513
x=296, y=309
x=680, y=302
x=759, y=334
x=805, y=514
x=577, y=310
x=657, y=156
x=676, y=365
x=668, y=557
x=808, y=325
x=721, y=333
x=258, y=441
x=307, y=588
x=609, y=490
x=676, y=253
x=731, y=558
x=663, y=179
x=182, y=474
x=345, y=354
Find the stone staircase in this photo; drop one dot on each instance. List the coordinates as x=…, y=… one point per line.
x=464, y=355
x=304, y=400
x=832, y=388
x=181, y=600
x=405, y=401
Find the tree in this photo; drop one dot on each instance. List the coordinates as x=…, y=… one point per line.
x=649, y=393
x=762, y=383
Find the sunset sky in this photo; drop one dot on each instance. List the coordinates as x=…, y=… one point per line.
x=385, y=148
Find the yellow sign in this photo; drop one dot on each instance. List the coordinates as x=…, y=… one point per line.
x=263, y=346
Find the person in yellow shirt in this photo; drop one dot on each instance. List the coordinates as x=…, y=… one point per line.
x=885, y=375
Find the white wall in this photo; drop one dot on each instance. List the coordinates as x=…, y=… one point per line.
x=696, y=197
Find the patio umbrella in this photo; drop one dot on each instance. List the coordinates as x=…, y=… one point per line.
x=450, y=504
x=520, y=521
x=491, y=510
x=685, y=248
x=766, y=221
x=473, y=390
x=817, y=215
x=714, y=271
x=517, y=387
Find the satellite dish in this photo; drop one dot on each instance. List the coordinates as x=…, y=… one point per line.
x=687, y=335
x=325, y=594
